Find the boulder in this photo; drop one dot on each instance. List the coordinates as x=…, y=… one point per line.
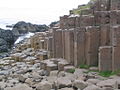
x=108, y=83
x=8, y=36
x=19, y=87
x=22, y=27
x=63, y=82
x=21, y=78
x=3, y=45
x=92, y=87
x=80, y=84
x=93, y=81
x=66, y=89
x=43, y=86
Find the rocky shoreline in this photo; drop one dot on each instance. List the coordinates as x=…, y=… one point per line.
x=63, y=57
x=23, y=70
x=9, y=37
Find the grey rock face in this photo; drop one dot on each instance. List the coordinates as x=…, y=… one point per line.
x=7, y=39
x=3, y=45
x=23, y=27
x=8, y=36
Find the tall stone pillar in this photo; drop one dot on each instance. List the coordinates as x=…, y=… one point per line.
x=79, y=46
x=69, y=45
x=105, y=58
x=92, y=45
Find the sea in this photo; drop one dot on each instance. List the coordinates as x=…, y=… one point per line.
x=4, y=23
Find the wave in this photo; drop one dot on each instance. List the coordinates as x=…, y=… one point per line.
x=28, y=35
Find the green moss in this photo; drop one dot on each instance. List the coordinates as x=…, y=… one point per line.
x=106, y=73
x=109, y=73
x=71, y=70
x=84, y=66
x=79, y=9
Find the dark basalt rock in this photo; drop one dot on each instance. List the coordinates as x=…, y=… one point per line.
x=23, y=28
x=7, y=39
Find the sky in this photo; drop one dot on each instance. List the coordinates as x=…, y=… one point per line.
x=36, y=11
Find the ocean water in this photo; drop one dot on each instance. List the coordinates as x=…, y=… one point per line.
x=28, y=35
x=4, y=22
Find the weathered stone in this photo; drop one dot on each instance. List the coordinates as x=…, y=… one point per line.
x=52, y=80
x=19, y=87
x=54, y=73
x=78, y=73
x=16, y=56
x=50, y=47
x=115, y=59
x=93, y=68
x=115, y=5
x=29, y=81
x=63, y=82
x=22, y=79
x=105, y=58
x=87, y=20
x=68, y=68
x=115, y=36
x=43, y=86
x=93, y=81
x=108, y=83
x=92, y=87
x=69, y=46
x=66, y=89
x=80, y=84
x=58, y=53
x=79, y=47
x=51, y=67
x=105, y=35
x=62, y=64
x=103, y=17
x=92, y=45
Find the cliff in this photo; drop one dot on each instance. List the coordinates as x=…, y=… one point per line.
x=90, y=36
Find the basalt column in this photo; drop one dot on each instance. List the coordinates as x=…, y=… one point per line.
x=116, y=47
x=92, y=45
x=79, y=46
x=69, y=45
x=105, y=58
x=58, y=48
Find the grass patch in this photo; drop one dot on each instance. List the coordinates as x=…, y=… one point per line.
x=84, y=66
x=109, y=73
x=71, y=70
x=79, y=9
x=106, y=73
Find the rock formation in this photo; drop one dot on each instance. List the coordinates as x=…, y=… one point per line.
x=49, y=60
x=23, y=27
x=90, y=38
x=7, y=39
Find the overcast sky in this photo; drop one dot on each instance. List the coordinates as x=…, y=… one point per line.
x=36, y=11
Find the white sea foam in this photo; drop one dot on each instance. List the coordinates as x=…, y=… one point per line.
x=28, y=35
